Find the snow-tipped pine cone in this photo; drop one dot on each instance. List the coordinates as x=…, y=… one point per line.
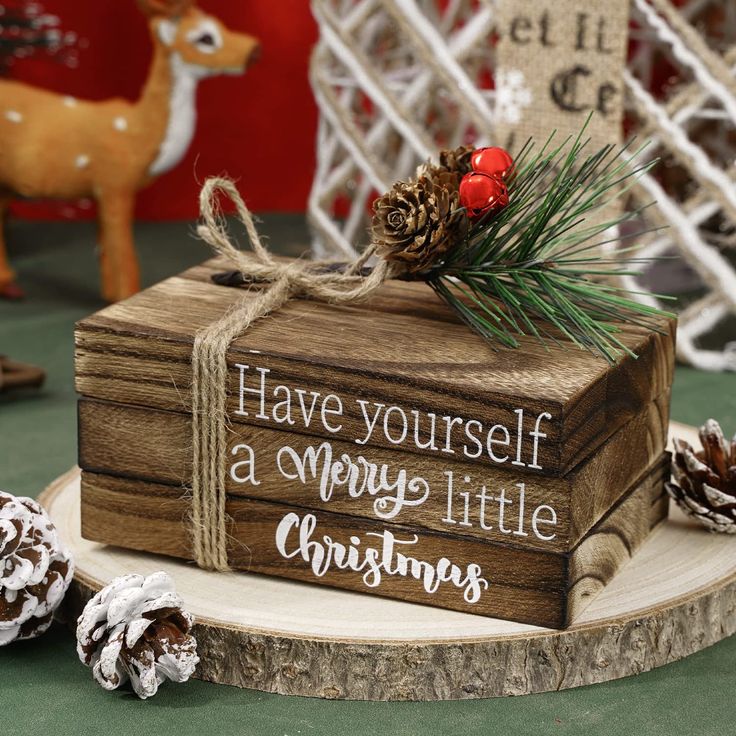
x=35, y=569
x=136, y=629
x=704, y=484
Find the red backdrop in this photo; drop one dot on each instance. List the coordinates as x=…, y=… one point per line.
x=259, y=128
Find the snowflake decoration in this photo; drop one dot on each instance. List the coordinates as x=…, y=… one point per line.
x=512, y=95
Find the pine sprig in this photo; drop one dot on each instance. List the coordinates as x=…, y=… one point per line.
x=534, y=268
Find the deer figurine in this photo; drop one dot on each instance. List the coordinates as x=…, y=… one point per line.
x=53, y=146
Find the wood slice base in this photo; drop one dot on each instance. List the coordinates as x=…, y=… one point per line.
x=677, y=596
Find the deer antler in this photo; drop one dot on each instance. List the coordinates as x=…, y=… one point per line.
x=168, y=8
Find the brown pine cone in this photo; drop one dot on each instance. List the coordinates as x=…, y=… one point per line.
x=454, y=164
x=135, y=628
x=457, y=159
x=704, y=484
x=417, y=222
x=35, y=569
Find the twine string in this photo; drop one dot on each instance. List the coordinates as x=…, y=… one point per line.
x=285, y=280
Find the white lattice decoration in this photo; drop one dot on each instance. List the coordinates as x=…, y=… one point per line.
x=693, y=130
x=397, y=79
x=394, y=80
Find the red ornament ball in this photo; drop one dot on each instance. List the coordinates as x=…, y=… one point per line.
x=481, y=194
x=493, y=161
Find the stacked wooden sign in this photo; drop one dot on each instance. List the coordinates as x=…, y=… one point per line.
x=381, y=447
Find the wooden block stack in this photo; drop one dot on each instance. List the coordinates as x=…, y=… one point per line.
x=381, y=448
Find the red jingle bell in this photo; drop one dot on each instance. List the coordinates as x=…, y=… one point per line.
x=481, y=194
x=493, y=161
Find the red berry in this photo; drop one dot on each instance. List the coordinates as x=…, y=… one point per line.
x=481, y=194
x=493, y=161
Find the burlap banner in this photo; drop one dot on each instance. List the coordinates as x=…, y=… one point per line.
x=558, y=60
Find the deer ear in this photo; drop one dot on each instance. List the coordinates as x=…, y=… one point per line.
x=167, y=29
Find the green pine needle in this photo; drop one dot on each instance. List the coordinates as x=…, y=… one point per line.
x=530, y=268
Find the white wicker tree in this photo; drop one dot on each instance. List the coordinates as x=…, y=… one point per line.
x=692, y=130
x=394, y=82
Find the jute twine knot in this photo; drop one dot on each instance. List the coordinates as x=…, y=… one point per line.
x=284, y=281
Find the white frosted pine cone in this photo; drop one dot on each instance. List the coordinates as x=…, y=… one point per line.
x=704, y=481
x=35, y=569
x=136, y=629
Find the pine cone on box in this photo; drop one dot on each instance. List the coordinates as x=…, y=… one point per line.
x=457, y=160
x=35, y=569
x=454, y=163
x=417, y=222
x=704, y=484
x=135, y=628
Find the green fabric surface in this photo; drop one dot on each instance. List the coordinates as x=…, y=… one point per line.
x=45, y=690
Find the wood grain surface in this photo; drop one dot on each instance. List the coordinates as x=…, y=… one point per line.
x=544, y=588
x=155, y=445
x=675, y=597
x=402, y=347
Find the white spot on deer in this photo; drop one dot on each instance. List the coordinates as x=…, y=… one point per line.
x=14, y=116
x=120, y=123
x=70, y=101
x=82, y=161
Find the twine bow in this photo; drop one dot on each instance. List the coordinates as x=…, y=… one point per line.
x=286, y=280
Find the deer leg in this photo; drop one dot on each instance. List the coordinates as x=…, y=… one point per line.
x=8, y=288
x=118, y=261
